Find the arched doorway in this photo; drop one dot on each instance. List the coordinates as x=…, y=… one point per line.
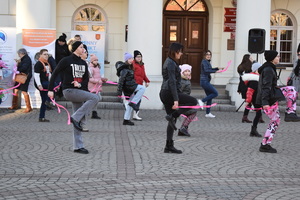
x=186, y=22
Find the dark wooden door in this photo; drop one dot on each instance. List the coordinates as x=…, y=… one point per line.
x=191, y=31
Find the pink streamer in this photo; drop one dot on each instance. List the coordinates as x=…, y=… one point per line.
x=265, y=110
x=15, y=71
x=1, y=91
x=196, y=107
x=110, y=82
x=58, y=110
x=225, y=69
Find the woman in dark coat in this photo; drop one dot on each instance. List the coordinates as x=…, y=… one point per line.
x=24, y=66
x=171, y=95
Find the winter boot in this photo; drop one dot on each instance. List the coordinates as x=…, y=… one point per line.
x=261, y=120
x=291, y=117
x=170, y=148
x=95, y=115
x=183, y=131
x=128, y=122
x=27, y=102
x=254, y=132
x=267, y=148
x=245, y=119
x=136, y=116
x=14, y=105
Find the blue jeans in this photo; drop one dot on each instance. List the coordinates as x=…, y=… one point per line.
x=210, y=92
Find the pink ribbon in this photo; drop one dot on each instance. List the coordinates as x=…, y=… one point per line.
x=265, y=110
x=15, y=71
x=196, y=107
x=110, y=82
x=2, y=91
x=225, y=69
x=58, y=110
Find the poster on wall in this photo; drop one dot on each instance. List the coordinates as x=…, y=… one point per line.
x=95, y=42
x=8, y=54
x=33, y=41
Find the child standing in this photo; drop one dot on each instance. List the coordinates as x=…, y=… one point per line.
x=129, y=87
x=95, y=81
x=186, y=89
x=251, y=81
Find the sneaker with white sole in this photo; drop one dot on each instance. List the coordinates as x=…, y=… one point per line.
x=209, y=115
x=200, y=103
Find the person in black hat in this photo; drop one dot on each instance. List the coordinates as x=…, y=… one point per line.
x=61, y=48
x=75, y=76
x=139, y=76
x=268, y=95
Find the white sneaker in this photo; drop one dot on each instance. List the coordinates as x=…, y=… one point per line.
x=201, y=103
x=209, y=115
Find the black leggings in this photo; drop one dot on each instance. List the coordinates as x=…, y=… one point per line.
x=257, y=116
x=168, y=101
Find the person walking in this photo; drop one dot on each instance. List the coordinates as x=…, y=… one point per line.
x=132, y=91
x=95, y=81
x=24, y=65
x=251, y=81
x=243, y=68
x=75, y=76
x=205, y=78
x=42, y=74
x=186, y=71
x=171, y=96
x=139, y=76
x=268, y=95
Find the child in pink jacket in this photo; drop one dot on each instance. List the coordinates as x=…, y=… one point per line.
x=95, y=81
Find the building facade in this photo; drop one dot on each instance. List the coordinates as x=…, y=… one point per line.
x=150, y=26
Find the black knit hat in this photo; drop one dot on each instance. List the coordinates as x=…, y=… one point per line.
x=62, y=38
x=75, y=45
x=137, y=53
x=270, y=55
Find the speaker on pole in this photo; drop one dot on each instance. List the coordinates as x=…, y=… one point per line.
x=256, y=40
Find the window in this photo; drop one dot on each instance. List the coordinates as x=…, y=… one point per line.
x=186, y=5
x=282, y=37
x=89, y=18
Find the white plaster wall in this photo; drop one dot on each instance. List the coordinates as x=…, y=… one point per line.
x=8, y=13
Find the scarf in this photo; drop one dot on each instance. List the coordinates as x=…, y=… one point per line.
x=44, y=61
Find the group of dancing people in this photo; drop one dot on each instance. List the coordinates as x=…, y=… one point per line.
x=262, y=92
x=82, y=86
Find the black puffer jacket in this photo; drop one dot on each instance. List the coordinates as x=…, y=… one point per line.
x=126, y=83
x=171, y=77
x=267, y=82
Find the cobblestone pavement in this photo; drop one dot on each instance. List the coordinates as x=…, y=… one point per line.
x=219, y=161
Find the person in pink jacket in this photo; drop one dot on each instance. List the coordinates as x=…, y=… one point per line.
x=139, y=76
x=95, y=81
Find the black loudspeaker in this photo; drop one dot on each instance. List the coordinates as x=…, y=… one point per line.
x=256, y=40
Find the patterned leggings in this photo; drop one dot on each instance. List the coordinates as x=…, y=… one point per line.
x=274, y=115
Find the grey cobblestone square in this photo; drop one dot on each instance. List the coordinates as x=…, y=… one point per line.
x=219, y=161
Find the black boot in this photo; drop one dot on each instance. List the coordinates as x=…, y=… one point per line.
x=170, y=147
x=183, y=131
x=254, y=132
x=291, y=117
x=267, y=148
x=95, y=115
x=128, y=122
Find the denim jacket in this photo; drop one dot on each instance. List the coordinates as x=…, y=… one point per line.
x=206, y=70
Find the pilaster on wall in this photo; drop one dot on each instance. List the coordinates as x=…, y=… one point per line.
x=243, y=24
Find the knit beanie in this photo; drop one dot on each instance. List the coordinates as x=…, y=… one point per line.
x=255, y=66
x=75, y=45
x=127, y=56
x=93, y=57
x=270, y=55
x=62, y=38
x=137, y=53
x=185, y=67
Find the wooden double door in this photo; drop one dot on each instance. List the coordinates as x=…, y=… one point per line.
x=191, y=31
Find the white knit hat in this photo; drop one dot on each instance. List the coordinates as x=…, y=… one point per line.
x=185, y=67
x=255, y=66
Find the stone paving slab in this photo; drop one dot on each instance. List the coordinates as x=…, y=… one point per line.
x=219, y=161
